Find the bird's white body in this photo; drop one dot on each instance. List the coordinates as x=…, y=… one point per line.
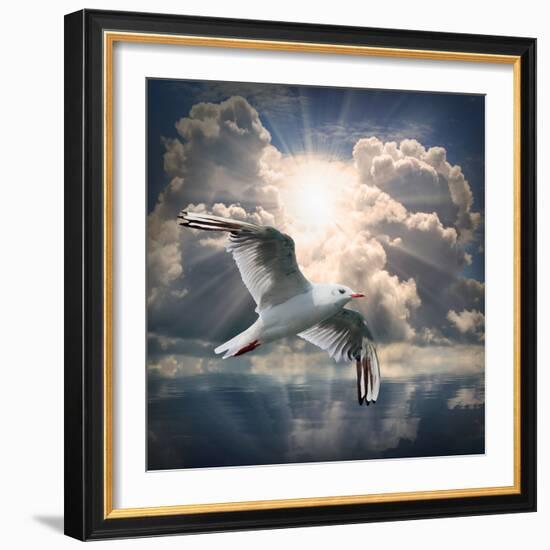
x=288, y=304
x=300, y=312
x=291, y=317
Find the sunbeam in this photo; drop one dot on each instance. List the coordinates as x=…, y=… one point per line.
x=314, y=194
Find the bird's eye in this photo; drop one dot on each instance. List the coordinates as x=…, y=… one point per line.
x=341, y=290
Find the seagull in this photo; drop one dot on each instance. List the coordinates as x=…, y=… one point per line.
x=288, y=304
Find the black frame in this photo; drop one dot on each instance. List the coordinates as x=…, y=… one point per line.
x=84, y=275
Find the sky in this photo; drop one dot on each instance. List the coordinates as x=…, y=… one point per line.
x=382, y=191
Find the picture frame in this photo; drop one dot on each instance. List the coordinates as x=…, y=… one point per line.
x=90, y=161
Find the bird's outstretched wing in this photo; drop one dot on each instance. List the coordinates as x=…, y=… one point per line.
x=346, y=337
x=265, y=257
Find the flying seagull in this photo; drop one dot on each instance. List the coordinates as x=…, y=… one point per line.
x=288, y=304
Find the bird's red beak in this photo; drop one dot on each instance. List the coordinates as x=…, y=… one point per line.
x=357, y=295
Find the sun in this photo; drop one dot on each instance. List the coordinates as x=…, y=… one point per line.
x=314, y=193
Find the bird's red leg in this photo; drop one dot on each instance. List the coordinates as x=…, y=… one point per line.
x=248, y=347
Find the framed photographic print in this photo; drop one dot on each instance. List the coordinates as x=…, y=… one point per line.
x=300, y=274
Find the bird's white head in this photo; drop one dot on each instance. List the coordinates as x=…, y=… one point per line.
x=339, y=295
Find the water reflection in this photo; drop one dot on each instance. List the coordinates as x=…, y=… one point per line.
x=231, y=419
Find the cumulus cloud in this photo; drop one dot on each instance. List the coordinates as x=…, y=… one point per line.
x=218, y=155
x=422, y=180
x=218, y=152
x=164, y=257
x=468, y=322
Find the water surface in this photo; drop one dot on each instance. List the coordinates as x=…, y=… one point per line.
x=241, y=418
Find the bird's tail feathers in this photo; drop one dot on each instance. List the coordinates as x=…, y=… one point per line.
x=368, y=373
x=242, y=343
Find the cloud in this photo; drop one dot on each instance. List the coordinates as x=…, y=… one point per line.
x=217, y=153
x=410, y=360
x=422, y=180
x=164, y=253
x=467, y=291
x=173, y=357
x=393, y=222
x=468, y=322
x=335, y=136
